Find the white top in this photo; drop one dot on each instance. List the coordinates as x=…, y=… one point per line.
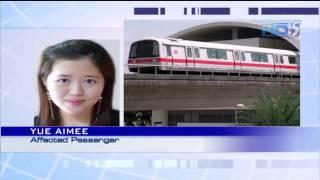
x=181, y=42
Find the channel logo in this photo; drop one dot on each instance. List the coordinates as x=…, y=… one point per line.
x=289, y=30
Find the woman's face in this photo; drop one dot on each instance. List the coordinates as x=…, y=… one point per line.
x=75, y=85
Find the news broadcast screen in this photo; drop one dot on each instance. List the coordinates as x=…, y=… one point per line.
x=160, y=90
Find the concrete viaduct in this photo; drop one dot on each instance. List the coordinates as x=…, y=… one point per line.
x=164, y=92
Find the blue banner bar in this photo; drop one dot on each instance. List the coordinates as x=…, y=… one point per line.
x=215, y=11
x=193, y=11
x=150, y=131
x=162, y=11
x=290, y=11
x=146, y=11
x=253, y=11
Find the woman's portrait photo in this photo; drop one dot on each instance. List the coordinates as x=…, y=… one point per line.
x=75, y=85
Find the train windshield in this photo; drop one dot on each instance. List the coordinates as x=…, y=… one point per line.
x=144, y=49
x=293, y=60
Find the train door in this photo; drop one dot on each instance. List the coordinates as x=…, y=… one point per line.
x=167, y=55
x=190, y=57
x=277, y=63
x=237, y=60
x=178, y=56
x=196, y=52
x=243, y=59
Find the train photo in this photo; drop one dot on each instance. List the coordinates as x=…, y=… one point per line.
x=163, y=54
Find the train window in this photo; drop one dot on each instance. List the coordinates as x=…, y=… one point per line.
x=281, y=59
x=196, y=52
x=146, y=48
x=259, y=57
x=189, y=52
x=243, y=57
x=255, y=57
x=276, y=58
x=212, y=53
x=155, y=49
x=133, y=51
x=236, y=55
x=263, y=58
x=168, y=50
x=222, y=54
x=292, y=60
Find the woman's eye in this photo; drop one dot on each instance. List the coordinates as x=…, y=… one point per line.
x=90, y=81
x=63, y=81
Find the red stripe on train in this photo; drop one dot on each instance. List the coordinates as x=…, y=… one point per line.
x=148, y=60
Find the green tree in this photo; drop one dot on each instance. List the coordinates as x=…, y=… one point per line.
x=141, y=120
x=283, y=110
x=137, y=118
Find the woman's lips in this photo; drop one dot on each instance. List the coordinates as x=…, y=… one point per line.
x=74, y=102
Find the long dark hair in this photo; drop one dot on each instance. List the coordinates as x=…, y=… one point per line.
x=76, y=50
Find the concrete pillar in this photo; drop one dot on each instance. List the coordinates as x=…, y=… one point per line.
x=159, y=118
x=234, y=33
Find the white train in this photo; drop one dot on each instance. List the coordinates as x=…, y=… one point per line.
x=182, y=55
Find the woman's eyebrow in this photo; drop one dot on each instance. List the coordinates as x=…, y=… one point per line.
x=92, y=76
x=86, y=76
x=64, y=75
